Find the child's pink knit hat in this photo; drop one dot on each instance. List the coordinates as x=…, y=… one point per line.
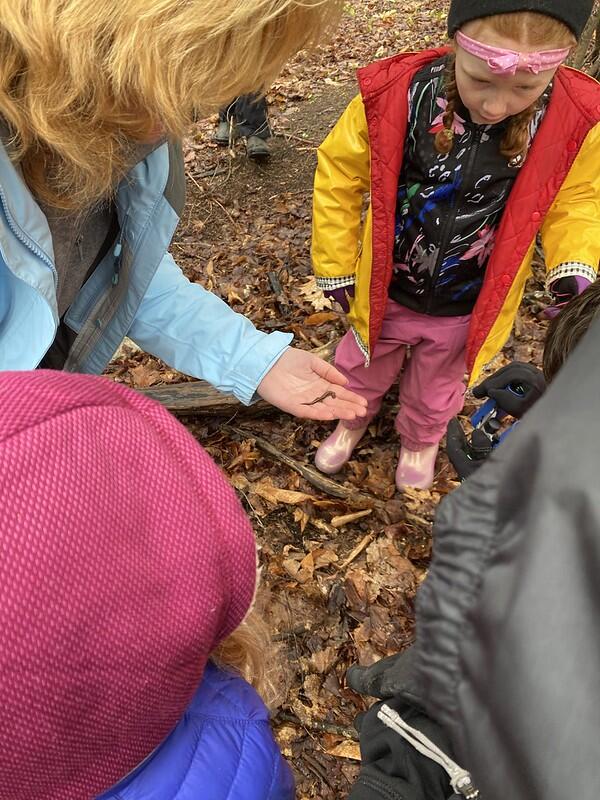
x=126, y=558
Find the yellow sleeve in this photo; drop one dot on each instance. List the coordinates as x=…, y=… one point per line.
x=341, y=181
x=571, y=229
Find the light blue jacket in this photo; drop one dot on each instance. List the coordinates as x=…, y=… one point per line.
x=137, y=290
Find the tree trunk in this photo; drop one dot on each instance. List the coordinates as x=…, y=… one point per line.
x=579, y=57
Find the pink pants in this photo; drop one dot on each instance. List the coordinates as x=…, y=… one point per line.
x=431, y=387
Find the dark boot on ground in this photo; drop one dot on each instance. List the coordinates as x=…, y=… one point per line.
x=257, y=149
x=225, y=134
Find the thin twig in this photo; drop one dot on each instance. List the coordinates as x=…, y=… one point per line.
x=300, y=630
x=211, y=173
x=318, y=725
x=362, y=545
x=316, y=768
x=303, y=139
x=214, y=200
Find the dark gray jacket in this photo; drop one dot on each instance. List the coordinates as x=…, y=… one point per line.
x=508, y=630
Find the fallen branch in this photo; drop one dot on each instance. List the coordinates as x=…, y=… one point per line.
x=198, y=398
x=352, y=497
x=579, y=56
x=346, y=519
x=317, y=769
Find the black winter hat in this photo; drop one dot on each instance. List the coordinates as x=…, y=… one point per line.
x=574, y=13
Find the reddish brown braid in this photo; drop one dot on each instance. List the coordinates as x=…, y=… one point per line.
x=515, y=142
x=444, y=139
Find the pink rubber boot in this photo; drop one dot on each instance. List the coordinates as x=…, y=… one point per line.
x=336, y=450
x=415, y=468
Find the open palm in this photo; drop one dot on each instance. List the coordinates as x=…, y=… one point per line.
x=298, y=378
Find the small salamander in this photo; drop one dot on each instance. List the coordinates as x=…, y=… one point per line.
x=318, y=399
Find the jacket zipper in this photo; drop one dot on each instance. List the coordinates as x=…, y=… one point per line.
x=92, y=329
x=22, y=237
x=449, y=225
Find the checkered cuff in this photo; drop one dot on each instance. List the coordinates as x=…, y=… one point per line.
x=568, y=269
x=329, y=284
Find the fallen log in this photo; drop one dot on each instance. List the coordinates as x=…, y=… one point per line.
x=198, y=398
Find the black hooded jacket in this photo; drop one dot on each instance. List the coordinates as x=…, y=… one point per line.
x=508, y=631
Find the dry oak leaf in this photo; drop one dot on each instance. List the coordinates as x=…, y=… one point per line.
x=357, y=593
x=145, y=375
x=313, y=295
x=268, y=491
x=302, y=568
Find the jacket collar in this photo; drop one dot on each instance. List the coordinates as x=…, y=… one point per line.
x=24, y=216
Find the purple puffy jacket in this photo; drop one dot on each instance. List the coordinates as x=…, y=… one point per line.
x=222, y=749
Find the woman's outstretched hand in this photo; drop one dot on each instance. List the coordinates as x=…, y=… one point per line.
x=299, y=378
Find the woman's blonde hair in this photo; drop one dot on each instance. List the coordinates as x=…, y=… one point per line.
x=251, y=652
x=530, y=28
x=81, y=80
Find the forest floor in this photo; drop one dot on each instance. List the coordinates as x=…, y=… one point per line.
x=341, y=573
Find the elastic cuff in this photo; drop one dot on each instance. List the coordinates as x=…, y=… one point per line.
x=570, y=269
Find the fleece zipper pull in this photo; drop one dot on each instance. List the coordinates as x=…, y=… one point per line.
x=460, y=779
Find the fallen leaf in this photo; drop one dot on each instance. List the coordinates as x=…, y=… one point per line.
x=313, y=295
x=323, y=660
x=347, y=749
x=301, y=571
x=323, y=557
x=268, y=491
x=145, y=375
x=356, y=590
x=301, y=517
x=286, y=735
x=320, y=318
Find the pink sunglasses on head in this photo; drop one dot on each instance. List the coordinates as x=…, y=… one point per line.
x=507, y=62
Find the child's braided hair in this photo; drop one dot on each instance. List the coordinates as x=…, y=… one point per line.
x=515, y=141
x=444, y=139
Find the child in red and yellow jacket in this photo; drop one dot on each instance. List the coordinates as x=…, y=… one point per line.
x=468, y=154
